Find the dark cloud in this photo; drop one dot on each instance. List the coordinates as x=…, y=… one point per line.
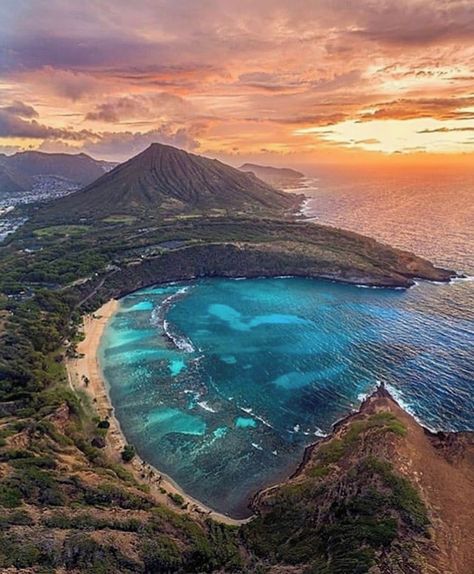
x=445, y=130
x=338, y=81
x=269, y=81
x=281, y=83
x=160, y=66
x=103, y=144
x=36, y=51
x=95, y=37
x=314, y=120
x=409, y=23
x=14, y=125
x=20, y=109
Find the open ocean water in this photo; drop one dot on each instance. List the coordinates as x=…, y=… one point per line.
x=222, y=383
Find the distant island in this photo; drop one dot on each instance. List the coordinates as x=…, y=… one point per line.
x=280, y=177
x=367, y=497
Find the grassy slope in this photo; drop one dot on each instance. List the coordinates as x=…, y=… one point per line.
x=353, y=507
x=356, y=507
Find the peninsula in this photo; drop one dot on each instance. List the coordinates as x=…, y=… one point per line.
x=279, y=177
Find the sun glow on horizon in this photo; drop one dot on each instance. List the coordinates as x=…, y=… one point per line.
x=404, y=136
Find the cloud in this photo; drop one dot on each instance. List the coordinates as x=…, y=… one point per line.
x=442, y=108
x=10, y=149
x=105, y=144
x=20, y=109
x=253, y=72
x=140, y=106
x=283, y=83
x=414, y=23
x=126, y=144
x=445, y=130
x=338, y=81
x=268, y=81
x=58, y=146
x=315, y=120
x=369, y=141
x=69, y=84
x=43, y=49
x=16, y=127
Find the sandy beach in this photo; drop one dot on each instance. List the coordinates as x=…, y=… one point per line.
x=86, y=368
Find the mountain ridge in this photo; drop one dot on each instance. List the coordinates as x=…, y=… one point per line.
x=380, y=490
x=19, y=172
x=172, y=179
x=79, y=168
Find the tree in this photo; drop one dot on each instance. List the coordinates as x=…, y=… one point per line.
x=128, y=453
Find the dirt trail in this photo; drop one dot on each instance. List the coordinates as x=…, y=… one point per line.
x=443, y=468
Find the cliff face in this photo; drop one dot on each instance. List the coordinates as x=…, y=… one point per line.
x=304, y=250
x=381, y=494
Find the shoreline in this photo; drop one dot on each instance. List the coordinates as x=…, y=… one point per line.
x=87, y=365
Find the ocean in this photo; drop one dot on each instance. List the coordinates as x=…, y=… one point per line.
x=222, y=383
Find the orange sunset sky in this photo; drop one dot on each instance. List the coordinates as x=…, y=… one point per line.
x=275, y=81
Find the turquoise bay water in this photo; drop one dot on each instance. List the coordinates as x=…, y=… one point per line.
x=222, y=383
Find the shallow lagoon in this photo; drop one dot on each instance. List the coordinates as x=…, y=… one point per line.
x=222, y=383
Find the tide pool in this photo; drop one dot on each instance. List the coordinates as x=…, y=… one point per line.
x=224, y=386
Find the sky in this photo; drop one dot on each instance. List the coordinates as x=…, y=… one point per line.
x=285, y=82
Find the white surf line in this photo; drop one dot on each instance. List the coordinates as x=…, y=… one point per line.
x=158, y=319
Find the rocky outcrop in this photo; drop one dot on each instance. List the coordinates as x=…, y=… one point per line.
x=380, y=493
